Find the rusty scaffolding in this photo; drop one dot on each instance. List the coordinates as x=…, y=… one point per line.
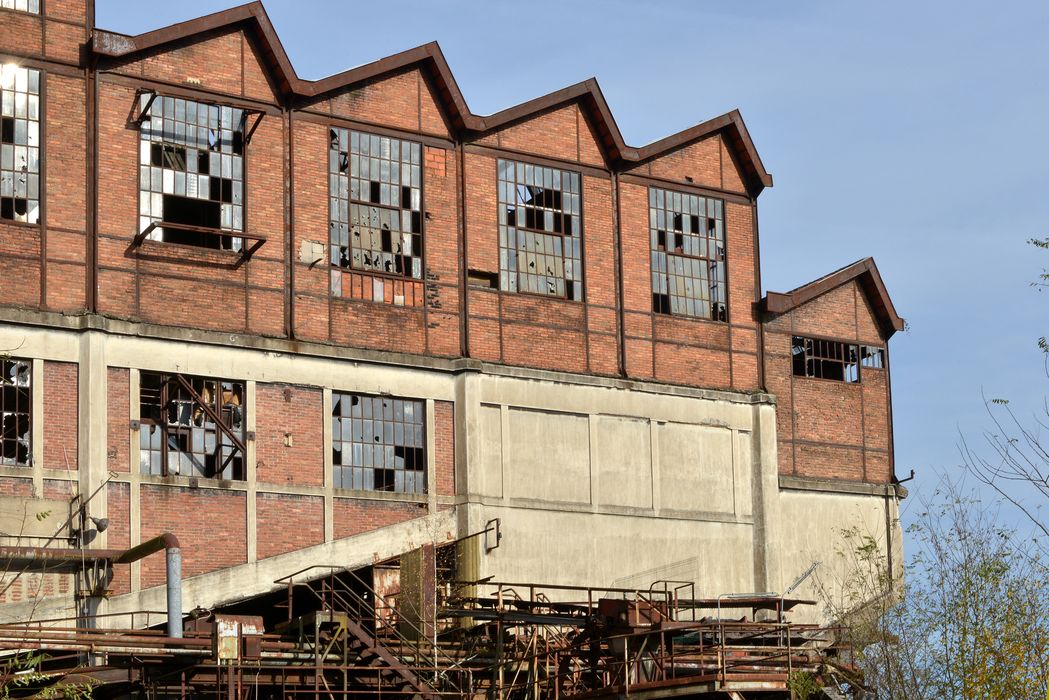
x=333, y=633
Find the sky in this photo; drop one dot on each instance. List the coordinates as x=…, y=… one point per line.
x=913, y=132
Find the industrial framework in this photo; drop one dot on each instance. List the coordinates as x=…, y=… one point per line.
x=409, y=628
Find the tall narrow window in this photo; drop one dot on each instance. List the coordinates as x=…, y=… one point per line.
x=376, y=209
x=378, y=443
x=191, y=172
x=15, y=412
x=826, y=359
x=19, y=144
x=540, y=230
x=32, y=6
x=191, y=426
x=688, y=254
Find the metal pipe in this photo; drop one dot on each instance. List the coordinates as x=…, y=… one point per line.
x=173, y=560
x=44, y=559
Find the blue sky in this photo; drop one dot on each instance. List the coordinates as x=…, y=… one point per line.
x=912, y=132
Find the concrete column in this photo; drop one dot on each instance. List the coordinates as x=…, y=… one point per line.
x=93, y=401
x=251, y=507
x=765, y=494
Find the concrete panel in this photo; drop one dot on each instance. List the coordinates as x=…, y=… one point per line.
x=623, y=461
x=556, y=547
x=695, y=467
x=549, y=456
x=490, y=464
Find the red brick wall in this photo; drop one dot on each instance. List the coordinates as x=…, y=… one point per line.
x=828, y=429
x=352, y=516
x=286, y=523
x=444, y=443
x=211, y=526
x=563, y=133
x=283, y=414
x=60, y=415
x=118, y=420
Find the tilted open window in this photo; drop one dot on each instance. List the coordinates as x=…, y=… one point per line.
x=376, y=209
x=826, y=359
x=378, y=443
x=19, y=144
x=191, y=173
x=688, y=254
x=16, y=412
x=191, y=426
x=540, y=230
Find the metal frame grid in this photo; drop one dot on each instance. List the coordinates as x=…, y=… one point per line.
x=16, y=412
x=378, y=443
x=193, y=150
x=19, y=144
x=826, y=359
x=872, y=357
x=178, y=433
x=688, y=254
x=376, y=208
x=31, y=6
x=540, y=230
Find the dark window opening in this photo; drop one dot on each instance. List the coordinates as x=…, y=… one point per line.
x=191, y=426
x=378, y=443
x=15, y=412
x=825, y=359
x=7, y=129
x=193, y=212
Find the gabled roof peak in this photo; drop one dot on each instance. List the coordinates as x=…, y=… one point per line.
x=864, y=271
x=253, y=16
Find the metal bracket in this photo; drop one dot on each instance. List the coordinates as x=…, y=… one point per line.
x=497, y=532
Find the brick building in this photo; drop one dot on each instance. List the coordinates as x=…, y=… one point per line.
x=311, y=322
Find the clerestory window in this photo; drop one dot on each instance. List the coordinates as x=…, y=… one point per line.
x=191, y=172
x=19, y=144
x=16, y=412
x=191, y=426
x=688, y=254
x=376, y=207
x=378, y=443
x=540, y=230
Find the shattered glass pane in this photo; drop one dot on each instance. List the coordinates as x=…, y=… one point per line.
x=19, y=143
x=15, y=412
x=540, y=230
x=687, y=234
x=185, y=427
x=377, y=443
x=375, y=212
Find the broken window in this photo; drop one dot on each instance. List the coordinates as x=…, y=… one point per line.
x=688, y=254
x=192, y=171
x=376, y=214
x=19, y=143
x=15, y=405
x=191, y=426
x=826, y=359
x=378, y=443
x=32, y=6
x=540, y=230
x=872, y=357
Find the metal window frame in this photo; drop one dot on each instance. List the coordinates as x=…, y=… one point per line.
x=214, y=413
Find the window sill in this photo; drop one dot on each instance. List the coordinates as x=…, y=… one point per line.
x=683, y=317
x=21, y=224
x=828, y=381
x=395, y=496
x=193, y=482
